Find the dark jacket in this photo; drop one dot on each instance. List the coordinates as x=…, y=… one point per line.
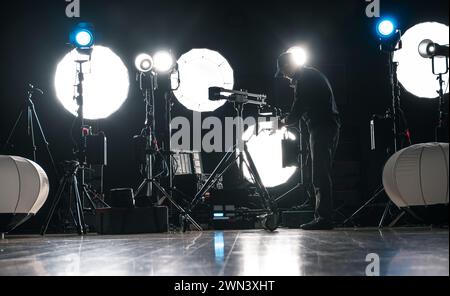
x=314, y=100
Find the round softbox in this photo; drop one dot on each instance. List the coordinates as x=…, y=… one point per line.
x=418, y=175
x=24, y=188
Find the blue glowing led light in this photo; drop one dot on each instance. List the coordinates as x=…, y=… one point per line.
x=82, y=36
x=386, y=27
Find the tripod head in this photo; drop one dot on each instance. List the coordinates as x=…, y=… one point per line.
x=33, y=89
x=236, y=97
x=70, y=167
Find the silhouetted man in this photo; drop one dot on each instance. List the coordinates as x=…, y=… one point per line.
x=315, y=104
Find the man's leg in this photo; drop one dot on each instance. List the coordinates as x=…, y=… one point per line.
x=323, y=143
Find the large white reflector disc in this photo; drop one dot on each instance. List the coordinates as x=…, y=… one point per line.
x=266, y=151
x=199, y=70
x=415, y=72
x=105, y=86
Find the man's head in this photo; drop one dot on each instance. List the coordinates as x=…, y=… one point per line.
x=286, y=66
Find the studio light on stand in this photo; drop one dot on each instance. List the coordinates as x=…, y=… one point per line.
x=144, y=63
x=154, y=76
x=146, y=79
x=106, y=69
x=390, y=38
x=430, y=50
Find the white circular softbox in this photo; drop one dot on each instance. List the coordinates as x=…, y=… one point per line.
x=418, y=175
x=105, y=85
x=199, y=70
x=265, y=148
x=415, y=72
x=24, y=188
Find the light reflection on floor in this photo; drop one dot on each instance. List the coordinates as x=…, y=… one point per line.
x=252, y=252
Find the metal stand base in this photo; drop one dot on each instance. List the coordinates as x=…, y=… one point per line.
x=69, y=180
x=385, y=212
x=268, y=215
x=185, y=216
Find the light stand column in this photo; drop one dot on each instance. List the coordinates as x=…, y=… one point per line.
x=395, y=101
x=442, y=113
x=80, y=101
x=146, y=84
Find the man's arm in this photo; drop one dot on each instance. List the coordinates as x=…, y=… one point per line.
x=297, y=108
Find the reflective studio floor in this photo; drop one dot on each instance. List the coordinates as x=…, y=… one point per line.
x=253, y=252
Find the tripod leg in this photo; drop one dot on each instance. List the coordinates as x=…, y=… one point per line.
x=13, y=130
x=47, y=145
x=395, y=221
x=363, y=206
x=258, y=182
x=136, y=193
x=281, y=197
x=386, y=211
x=89, y=198
x=218, y=171
x=56, y=201
x=270, y=218
x=74, y=218
x=79, y=207
x=177, y=206
x=31, y=131
x=90, y=193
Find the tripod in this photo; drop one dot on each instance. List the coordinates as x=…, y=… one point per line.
x=268, y=215
x=31, y=116
x=148, y=87
x=69, y=180
x=394, y=113
x=75, y=166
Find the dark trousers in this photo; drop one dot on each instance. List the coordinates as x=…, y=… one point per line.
x=323, y=143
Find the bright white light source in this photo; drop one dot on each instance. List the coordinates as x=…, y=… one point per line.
x=83, y=38
x=143, y=62
x=266, y=151
x=163, y=61
x=414, y=71
x=199, y=70
x=105, y=86
x=386, y=28
x=299, y=55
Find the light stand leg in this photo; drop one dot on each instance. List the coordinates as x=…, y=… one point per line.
x=141, y=187
x=89, y=198
x=218, y=171
x=46, y=143
x=30, y=129
x=386, y=211
x=79, y=207
x=55, y=203
x=372, y=199
x=177, y=206
x=13, y=130
x=281, y=197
